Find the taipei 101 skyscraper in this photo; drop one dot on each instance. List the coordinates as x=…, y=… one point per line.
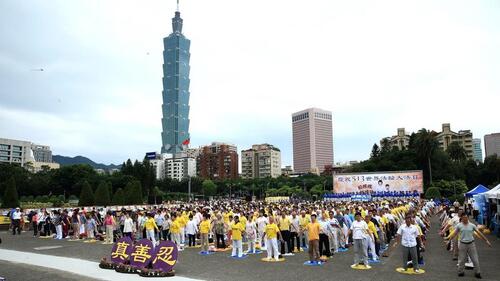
x=175, y=122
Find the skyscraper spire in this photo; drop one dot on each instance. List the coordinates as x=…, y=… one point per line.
x=177, y=21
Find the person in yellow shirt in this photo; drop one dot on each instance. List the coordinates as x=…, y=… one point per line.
x=175, y=230
x=271, y=232
x=204, y=230
x=183, y=220
x=284, y=226
x=150, y=226
x=304, y=220
x=371, y=238
x=236, y=229
x=313, y=229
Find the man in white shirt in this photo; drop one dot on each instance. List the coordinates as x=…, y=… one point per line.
x=359, y=230
x=408, y=235
x=191, y=230
x=16, y=222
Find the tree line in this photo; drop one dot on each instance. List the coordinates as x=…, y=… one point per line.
x=446, y=173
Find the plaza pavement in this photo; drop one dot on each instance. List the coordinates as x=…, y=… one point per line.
x=219, y=266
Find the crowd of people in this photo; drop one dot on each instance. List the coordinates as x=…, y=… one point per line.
x=321, y=228
x=459, y=234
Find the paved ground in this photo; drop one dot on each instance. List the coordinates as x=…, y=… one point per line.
x=439, y=265
x=16, y=271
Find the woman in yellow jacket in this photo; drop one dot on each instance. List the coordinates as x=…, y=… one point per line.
x=150, y=226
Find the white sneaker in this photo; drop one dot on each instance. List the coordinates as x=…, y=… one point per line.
x=417, y=270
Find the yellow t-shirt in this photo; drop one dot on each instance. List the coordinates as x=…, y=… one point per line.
x=313, y=231
x=303, y=222
x=373, y=230
x=284, y=224
x=205, y=227
x=150, y=224
x=175, y=227
x=236, y=229
x=271, y=230
x=243, y=221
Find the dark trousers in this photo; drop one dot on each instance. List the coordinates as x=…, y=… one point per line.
x=324, y=245
x=192, y=241
x=286, y=239
x=16, y=224
x=35, y=228
x=294, y=238
x=166, y=234
x=377, y=247
x=220, y=241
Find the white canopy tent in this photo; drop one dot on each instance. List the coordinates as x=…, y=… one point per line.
x=494, y=193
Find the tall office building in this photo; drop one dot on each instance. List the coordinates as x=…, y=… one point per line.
x=312, y=140
x=175, y=108
x=261, y=161
x=492, y=144
x=477, y=150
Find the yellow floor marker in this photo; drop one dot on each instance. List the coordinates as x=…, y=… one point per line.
x=360, y=266
x=409, y=271
x=272, y=260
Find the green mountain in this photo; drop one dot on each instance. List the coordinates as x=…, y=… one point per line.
x=66, y=161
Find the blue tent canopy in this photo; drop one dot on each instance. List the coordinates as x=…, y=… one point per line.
x=478, y=189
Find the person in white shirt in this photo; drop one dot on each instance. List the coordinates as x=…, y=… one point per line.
x=16, y=222
x=294, y=231
x=128, y=226
x=191, y=230
x=408, y=235
x=359, y=230
x=251, y=235
x=261, y=225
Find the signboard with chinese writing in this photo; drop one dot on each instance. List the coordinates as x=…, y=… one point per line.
x=379, y=182
x=142, y=253
x=165, y=256
x=120, y=253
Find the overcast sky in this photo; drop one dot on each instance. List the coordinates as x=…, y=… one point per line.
x=377, y=65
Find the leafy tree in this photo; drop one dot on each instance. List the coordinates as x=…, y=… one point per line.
x=432, y=193
x=10, y=198
x=425, y=143
x=456, y=152
x=209, y=188
x=375, y=151
x=101, y=195
x=118, y=197
x=86, y=195
x=133, y=193
x=386, y=146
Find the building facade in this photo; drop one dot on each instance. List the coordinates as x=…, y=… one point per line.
x=400, y=141
x=178, y=166
x=175, y=108
x=218, y=161
x=312, y=140
x=33, y=157
x=444, y=139
x=261, y=161
x=463, y=137
x=492, y=144
x=477, y=150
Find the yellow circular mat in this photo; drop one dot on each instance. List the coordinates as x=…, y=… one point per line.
x=360, y=267
x=272, y=260
x=409, y=271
